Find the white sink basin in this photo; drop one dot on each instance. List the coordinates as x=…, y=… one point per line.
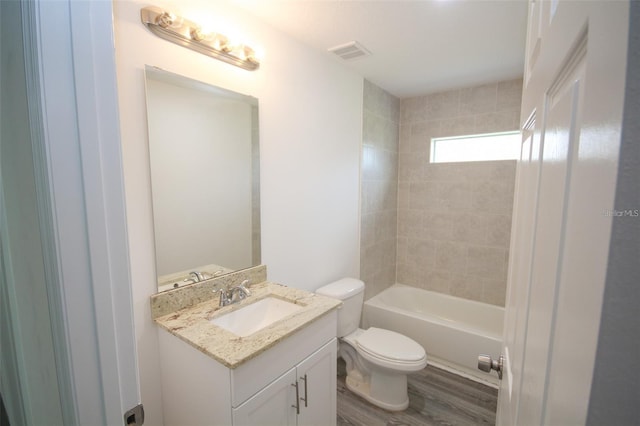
x=255, y=316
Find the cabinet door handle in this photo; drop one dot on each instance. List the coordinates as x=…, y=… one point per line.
x=297, y=405
x=306, y=398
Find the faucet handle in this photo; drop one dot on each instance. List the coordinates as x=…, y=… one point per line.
x=225, y=298
x=244, y=286
x=197, y=276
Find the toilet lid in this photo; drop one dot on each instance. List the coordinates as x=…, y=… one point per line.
x=390, y=345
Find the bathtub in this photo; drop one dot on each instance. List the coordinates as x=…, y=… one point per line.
x=453, y=331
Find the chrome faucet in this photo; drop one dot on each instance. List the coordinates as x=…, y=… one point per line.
x=234, y=294
x=224, y=296
x=240, y=292
x=197, y=276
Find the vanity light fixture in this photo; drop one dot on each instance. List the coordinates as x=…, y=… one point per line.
x=188, y=34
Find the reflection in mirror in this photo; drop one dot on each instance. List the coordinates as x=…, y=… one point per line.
x=204, y=160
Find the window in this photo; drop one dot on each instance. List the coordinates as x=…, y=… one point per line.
x=486, y=147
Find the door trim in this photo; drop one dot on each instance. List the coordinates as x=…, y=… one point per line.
x=75, y=126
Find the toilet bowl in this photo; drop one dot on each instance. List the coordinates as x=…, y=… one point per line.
x=377, y=360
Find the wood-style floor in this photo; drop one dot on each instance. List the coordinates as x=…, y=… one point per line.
x=436, y=397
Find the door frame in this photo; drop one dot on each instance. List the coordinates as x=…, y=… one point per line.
x=73, y=114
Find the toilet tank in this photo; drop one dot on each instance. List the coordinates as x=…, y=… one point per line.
x=351, y=292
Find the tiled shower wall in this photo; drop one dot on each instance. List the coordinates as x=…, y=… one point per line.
x=379, y=209
x=454, y=219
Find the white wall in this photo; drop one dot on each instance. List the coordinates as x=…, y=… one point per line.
x=310, y=134
x=200, y=150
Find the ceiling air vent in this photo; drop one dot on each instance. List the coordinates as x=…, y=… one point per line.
x=349, y=51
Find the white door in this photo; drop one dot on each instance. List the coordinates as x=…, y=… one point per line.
x=573, y=98
x=517, y=306
x=318, y=387
x=274, y=405
x=81, y=359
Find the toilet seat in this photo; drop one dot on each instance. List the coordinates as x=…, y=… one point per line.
x=390, y=349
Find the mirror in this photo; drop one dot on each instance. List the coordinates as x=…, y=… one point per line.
x=205, y=169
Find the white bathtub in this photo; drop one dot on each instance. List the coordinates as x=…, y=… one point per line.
x=453, y=331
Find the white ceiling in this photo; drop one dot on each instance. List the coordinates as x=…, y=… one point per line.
x=417, y=47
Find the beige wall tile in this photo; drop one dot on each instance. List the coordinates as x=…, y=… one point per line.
x=501, y=171
x=367, y=231
x=402, y=249
x=413, y=109
x=409, y=222
x=404, y=131
x=389, y=253
x=421, y=253
x=451, y=256
x=492, y=197
x=454, y=196
x=369, y=161
x=453, y=220
x=479, y=99
x=493, y=122
x=390, y=168
x=370, y=196
x=391, y=136
x=443, y=105
x=386, y=226
x=418, y=144
x=486, y=262
x=466, y=286
x=368, y=268
x=407, y=274
x=411, y=167
x=403, y=195
x=381, y=103
x=509, y=95
x=379, y=192
x=421, y=128
x=494, y=292
x=370, y=131
x=438, y=226
x=457, y=126
x=445, y=172
x=423, y=195
x=469, y=228
x=498, y=230
x=438, y=280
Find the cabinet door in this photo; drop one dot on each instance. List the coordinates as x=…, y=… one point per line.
x=272, y=406
x=318, y=388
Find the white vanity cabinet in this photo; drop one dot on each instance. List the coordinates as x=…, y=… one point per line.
x=198, y=390
x=304, y=395
x=273, y=405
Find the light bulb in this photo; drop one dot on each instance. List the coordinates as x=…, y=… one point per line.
x=168, y=20
x=199, y=34
x=222, y=43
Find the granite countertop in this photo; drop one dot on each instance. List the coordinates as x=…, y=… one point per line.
x=191, y=324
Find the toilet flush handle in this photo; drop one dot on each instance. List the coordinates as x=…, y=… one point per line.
x=486, y=364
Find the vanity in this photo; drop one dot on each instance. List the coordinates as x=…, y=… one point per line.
x=269, y=356
x=269, y=359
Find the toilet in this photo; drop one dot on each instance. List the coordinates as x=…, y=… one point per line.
x=377, y=360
